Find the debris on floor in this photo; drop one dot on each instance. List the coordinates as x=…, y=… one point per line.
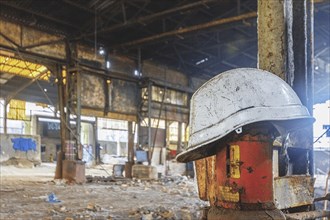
x=51, y=198
x=20, y=162
x=170, y=197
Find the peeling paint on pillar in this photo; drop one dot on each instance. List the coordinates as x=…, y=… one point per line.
x=271, y=37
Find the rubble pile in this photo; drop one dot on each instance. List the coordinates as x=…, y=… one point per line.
x=161, y=213
x=98, y=179
x=92, y=211
x=20, y=162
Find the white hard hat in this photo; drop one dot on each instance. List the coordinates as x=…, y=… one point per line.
x=237, y=98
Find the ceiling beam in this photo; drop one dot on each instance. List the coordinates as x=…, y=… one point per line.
x=91, y=11
x=198, y=27
x=147, y=18
x=7, y=3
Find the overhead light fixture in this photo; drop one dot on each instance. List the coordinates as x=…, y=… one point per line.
x=136, y=73
x=202, y=61
x=108, y=64
x=45, y=90
x=101, y=51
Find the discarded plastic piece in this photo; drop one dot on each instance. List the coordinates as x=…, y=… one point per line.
x=51, y=198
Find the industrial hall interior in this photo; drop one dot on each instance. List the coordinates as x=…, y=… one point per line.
x=165, y=109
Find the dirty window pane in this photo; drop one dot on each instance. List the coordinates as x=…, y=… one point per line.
x=112, y=130
x=171, y=96
x=157, y=94
x=173, y=130
x=144, y=94
x=154, y=123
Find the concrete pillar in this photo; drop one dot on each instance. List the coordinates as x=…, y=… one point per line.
x=285, y=43
x=271, y=37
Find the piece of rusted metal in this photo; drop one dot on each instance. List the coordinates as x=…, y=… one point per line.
x=206, y=178
x=236, y=178
x=74, y=171
x=244, y=173
x=326, y=197
x=293, y=191
x=201, y=172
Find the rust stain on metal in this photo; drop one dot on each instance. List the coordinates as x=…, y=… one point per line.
x=206, y=179
x=293, y=191
x=200, y=166
x=271, y=28
x=211, y=179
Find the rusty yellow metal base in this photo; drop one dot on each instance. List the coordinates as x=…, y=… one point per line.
x=217, y=213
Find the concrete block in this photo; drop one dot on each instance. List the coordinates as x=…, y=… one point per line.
x=74, y=171
x=20, y=146
x=144, y=172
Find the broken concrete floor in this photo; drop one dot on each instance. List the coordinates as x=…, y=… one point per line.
x=24, y=193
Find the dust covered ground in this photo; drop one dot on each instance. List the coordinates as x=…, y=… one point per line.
x=24, y=192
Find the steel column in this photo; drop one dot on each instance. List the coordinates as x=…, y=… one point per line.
x=130, y=152
x=5, y=117
x=149, y=123
x=303, y=74
x=63, y=125
x=96, y=143
x=78, y=108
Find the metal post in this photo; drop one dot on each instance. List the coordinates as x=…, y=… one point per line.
x=67, y=89
x=310, y=73
x=78, y=108
x=130, y=152
x=97, y=149
x=61, y=103
x=149, y=123
x=303, y=75
x=130, y=135
x=179, y=145
x=5, y=117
